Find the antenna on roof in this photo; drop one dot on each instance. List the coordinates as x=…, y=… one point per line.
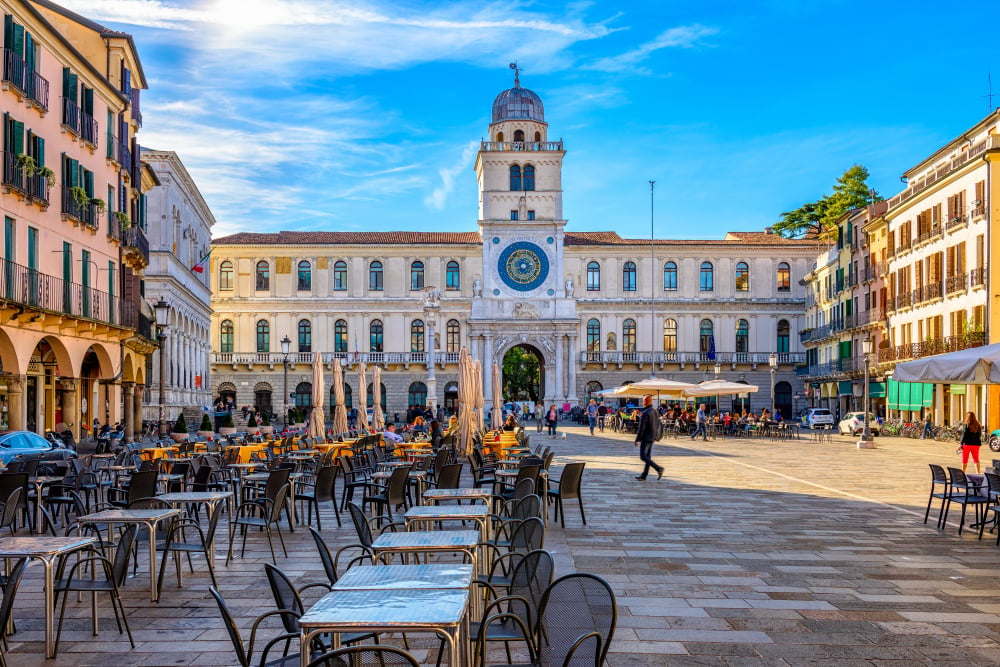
x=517, y=73
x=989, y=96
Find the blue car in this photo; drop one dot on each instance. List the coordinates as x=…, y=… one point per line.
x=995, y=440
x=28, y=446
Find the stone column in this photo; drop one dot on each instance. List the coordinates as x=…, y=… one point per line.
x=71, y=405
x=558, y=391
x=571, y=356
x=138, y=391
x=128, y=394
x=15, y=402
x=487, y=361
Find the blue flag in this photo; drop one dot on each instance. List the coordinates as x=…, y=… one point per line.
x=711, y=348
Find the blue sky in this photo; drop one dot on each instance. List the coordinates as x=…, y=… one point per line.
x=361, y=115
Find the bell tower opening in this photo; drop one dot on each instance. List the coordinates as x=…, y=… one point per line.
x=522, y=374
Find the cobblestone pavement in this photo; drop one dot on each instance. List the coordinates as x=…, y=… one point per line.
x=747, y=552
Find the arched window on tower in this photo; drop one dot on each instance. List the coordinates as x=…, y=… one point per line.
x=593, y=277
x=538, y=137
x=500, y=137
x=519, y=136
x=226, y=336
x=417, y=336
x=742, y=341
x=529, y=178
x=515, y=177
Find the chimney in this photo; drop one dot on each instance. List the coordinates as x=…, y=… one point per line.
x=769, y=230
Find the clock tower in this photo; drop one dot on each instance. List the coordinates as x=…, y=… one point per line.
x=524, y=297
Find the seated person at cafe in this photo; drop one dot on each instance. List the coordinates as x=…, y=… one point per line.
x=390, y=435
x=418, y=425
x=436, y=434
x=510, y=424
x=452, y=426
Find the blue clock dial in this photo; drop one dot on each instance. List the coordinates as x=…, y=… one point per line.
x=523, y=266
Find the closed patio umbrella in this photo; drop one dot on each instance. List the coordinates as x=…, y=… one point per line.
x=477, y=396
x=339, y=409
x=363, y=398
x=378, y=418
x=465, y=403
x=317, y=420
x=497, y=398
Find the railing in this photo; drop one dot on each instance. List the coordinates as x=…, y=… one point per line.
x=112, y=151
x=904, y=245
x=29, y=82
x=928, y=292
x=978, y=211
x=16, y=176
x=929, y=234
x=124, y=156
x=658, y=357
x=80, y=122
x=27, y=287
x=977, y=277
x=277, y=359
x=85, y=213
x=133, y=237
x=133, y=98
x=956, y=221
x=825, y=369
x=991, y=142
x=933, y=346
x=957, y=283
x=521, y=146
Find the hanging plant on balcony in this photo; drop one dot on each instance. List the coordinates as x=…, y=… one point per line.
x=122, y=218
x=47, y=174
x=98, y=205
x=80, y=196
x=25, y=163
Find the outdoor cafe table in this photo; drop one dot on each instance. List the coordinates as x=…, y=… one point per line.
x=437, y=495
x=148, y=518
x=431, y=513
x=438, y=610
x=292, y=478
x=48, y=550
x=382, y=477
x=39, y=482
x=466, y=542
x=244, y=451
x=209, y=498
x=392, y=577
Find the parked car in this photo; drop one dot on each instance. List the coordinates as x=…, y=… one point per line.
x=27, y=445
x=817, y=418
x=994, y=441
x=854, y=423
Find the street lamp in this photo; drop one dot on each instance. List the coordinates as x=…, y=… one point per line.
x=718, y=369
x=161, y=310
x=285, y=345
x=866, y=441
x=772, y=361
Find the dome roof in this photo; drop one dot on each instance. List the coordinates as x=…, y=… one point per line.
x=518, y=103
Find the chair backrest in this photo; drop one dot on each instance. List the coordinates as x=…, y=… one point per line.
x=276, y=479
x=993, y=481
x=548, y=459
x=531, y=461
x=525, y=508
x=323, y=488
x=396, y=490
x=325, y=557
x=449, y=476
x=14, y=467
x=365, y=538
x=285, y=596
x=938, y=475
x=123, y=552
x=231, y=627
x=569, y=481
x=365, y=656
x=528, y=472
x=277, y=503
x=10, y=590
x=958, y=478
x=14, y=480
x=524, y=488
x=201, y=478
x=574, y=606
x=10, y=508
x=529, y=579
x=528, y=535
x=30, y=467
x=142, y=485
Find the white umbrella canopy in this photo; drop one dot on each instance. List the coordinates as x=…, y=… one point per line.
x=976, y=365
x=363, y=398
x=654, y=386
x=340, y=409
x=317, y=420
x=477, y=395
x=720, y=388
x=465, y=403
x=497, y=420
x=378, y=418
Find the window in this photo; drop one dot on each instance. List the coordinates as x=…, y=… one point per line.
x=417, y=275
x=305, y=276
x=340, y=276
x=593, y=336
x=628, y=335
x=783, y=329
x=670, y=276
x=513, y=214
x=706, y=281
x=340, y=336
x=226, y=275
x=263, y=336
x=375, y=336
x=531, y=215
x=669, y=335
x=226, y=336
x=263, y=276
x=515, y=177
x=375, y=276
x=784, y=277
x=371, y=396
x=453, y=336
x=628, y=277
x=742, y=277
x=417, y=394
x=593, y=277
x=519, y=135
x=742, y=336
x=528, y=182
x=305, y=336
x=348, y=396
x=591, y=390
x=453, y=276
x=706, y=338
x=303, y=395
x=417, y=336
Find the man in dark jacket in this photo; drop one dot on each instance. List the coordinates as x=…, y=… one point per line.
x=646, y=436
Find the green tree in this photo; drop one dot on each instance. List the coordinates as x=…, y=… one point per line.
x=818, y=218
x=520, y=375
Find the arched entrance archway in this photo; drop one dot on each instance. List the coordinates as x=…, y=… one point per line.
x=522, y=374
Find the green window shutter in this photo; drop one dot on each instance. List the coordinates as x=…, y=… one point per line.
x=39, y=151
x=32, y=248
x=7, y=132
x=849, y=306
x=8, y=30
x=74, y=173
x=29, y=53
x=87, y=100
x=17, y=40
x=85, y=267
x=70, y=85
x=111, y=279
x=8, y=238
x=67, y=262
x=110, y=133
x=18, y=138
x=88, y=182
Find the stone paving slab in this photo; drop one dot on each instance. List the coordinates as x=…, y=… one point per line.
x=748, y=552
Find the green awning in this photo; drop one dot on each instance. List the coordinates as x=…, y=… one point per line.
x=876, y=389
x=957, y=389
x=910, y=395
x=844, y=388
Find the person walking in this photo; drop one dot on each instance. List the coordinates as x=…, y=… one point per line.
x=551, y=419
x=592, y=415
x=539, y=416
x=701, y=420
x=645, y=437
x=972, y=440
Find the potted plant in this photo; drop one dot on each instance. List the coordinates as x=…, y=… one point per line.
x=228, y=427
x=98, y=205
x=206, y=429
x=79, y=195
x=123, y=221
x=180, y=431
x=265, y=423
x=25, y=163
x=252, y=425
x=47, y=174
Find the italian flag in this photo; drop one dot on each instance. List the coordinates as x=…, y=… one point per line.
x=202, y=263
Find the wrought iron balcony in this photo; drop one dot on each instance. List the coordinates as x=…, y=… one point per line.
x=133, y=98
x=79, y=122
x=521, y=146
x=24, y=180
x=135, y=239
x=346, y=358
x=26, y=81
x=977, y=277
x=659, y=357
x=957, y=283
x=86, y=213
x=932, y=346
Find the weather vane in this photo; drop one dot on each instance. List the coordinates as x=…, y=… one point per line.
x=517, y=73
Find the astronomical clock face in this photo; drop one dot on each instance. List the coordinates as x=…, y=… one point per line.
x=523, y=266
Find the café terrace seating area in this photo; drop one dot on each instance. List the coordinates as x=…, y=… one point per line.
x=351, y=551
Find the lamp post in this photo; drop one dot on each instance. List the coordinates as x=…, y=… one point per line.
x=866, y=441
x=285, y=345
x=772, y=361
x=161, y=310
x=432, y=306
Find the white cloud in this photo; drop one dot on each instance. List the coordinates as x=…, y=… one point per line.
x=685, y=37
x=439, y=197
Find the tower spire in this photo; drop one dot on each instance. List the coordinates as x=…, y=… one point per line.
x=517, y=74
